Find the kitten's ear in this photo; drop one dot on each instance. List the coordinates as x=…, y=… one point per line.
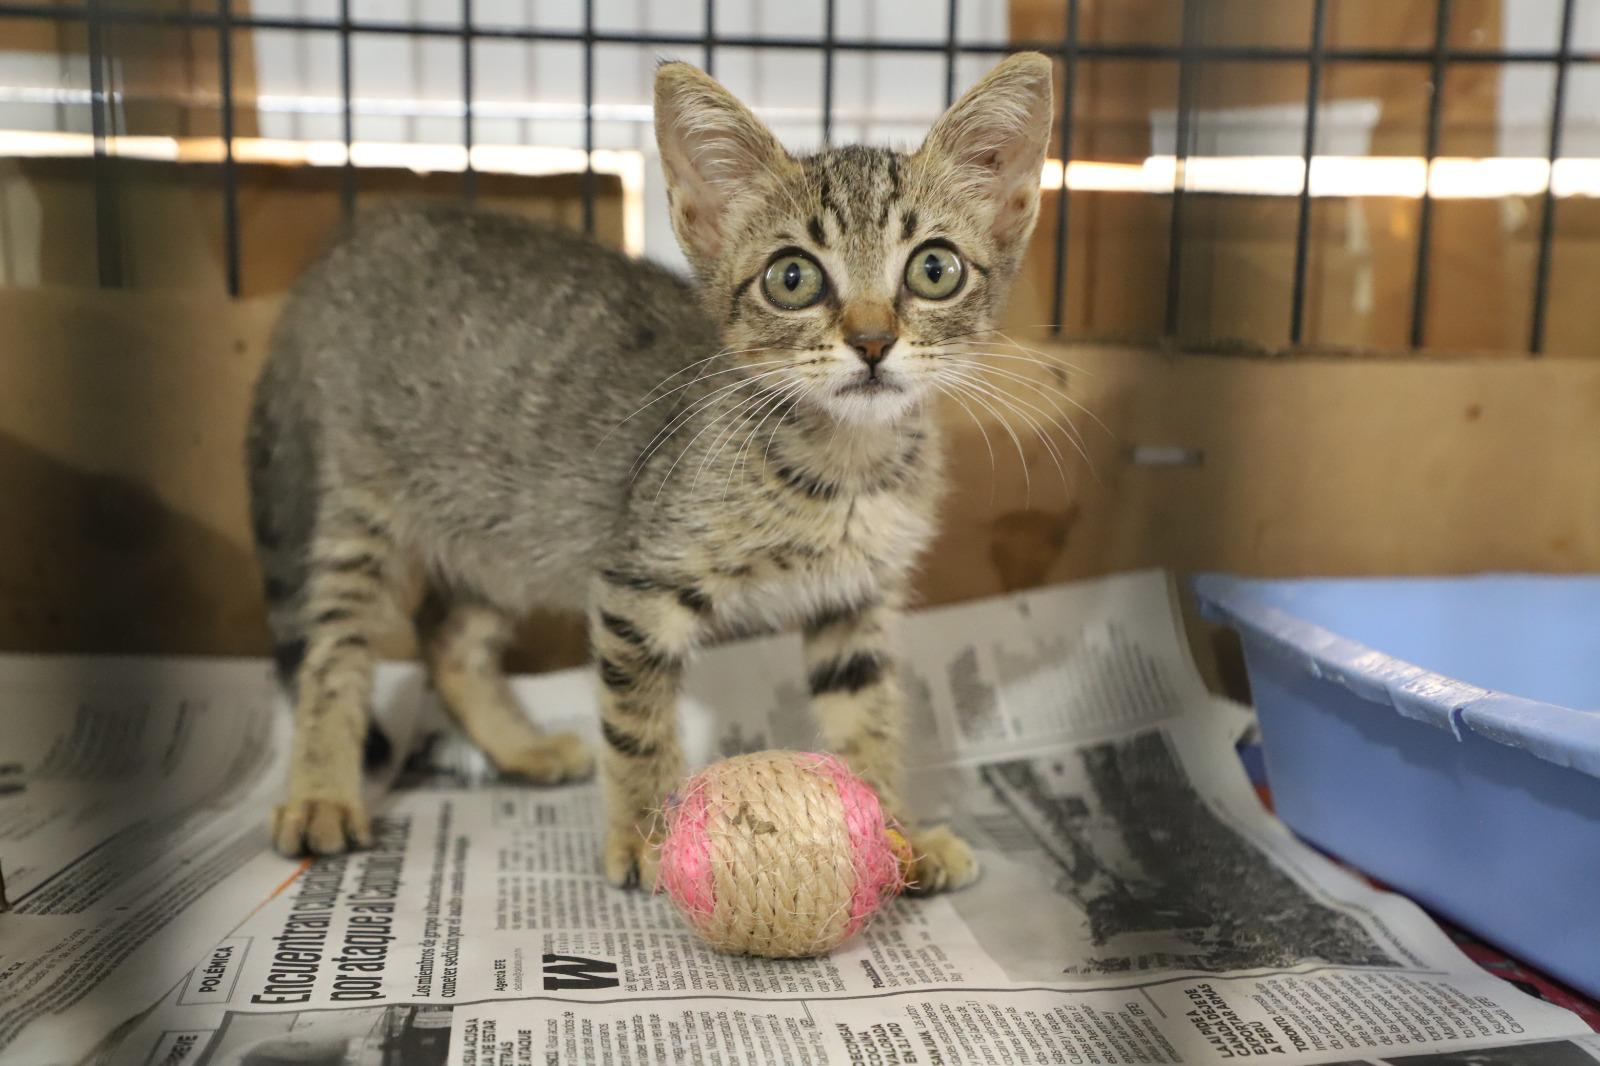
x=996, y=136
x=713, y=150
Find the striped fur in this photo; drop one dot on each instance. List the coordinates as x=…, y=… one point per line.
x=525, y=419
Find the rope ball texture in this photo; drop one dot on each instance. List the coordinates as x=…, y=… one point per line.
x=782, y=854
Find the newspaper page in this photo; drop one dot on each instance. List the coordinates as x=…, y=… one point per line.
x=133, y=800
x=1137, y=904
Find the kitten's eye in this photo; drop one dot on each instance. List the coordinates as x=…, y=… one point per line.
x=793, y=281
x=935, y=272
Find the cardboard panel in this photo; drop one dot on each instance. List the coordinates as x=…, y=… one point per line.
x=169, y=220
x=1282, y=466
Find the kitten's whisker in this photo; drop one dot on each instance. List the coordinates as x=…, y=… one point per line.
x=661, y=487
x=1005, y=424
x=976, y=371
x=1054, y=423
x=725, y=352
x=722, y=397
x=1000, y=349
x=772, y=399
x=996, y=331
x=678, y=420
x=1032, y=351
x=720, y=354
x=720, y=390
x=694, y=381
x=1009, y=339
x=985, y=433
x=748, y=410
x=1065, y=424
x=687, y=447
x=1016, y=405
x=1045, y=393
x=751, y=407
x=1011, y=402
x=1048, y=358
x=784, y=399
x=981, y=355
x=805, y=388
x=681, y=419
x=778, y=397
x=687, y=384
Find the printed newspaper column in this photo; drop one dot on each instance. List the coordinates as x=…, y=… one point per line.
x=642, y=1033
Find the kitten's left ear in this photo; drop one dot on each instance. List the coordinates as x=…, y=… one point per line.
x=996, y=136
x=715, y=153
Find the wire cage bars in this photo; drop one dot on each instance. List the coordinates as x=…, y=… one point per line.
x=1191, y=53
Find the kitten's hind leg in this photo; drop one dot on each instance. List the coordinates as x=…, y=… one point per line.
x=857, y=701
x=463, y=641
x=342, y=610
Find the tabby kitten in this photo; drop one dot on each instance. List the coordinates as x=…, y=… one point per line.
x=516, y=416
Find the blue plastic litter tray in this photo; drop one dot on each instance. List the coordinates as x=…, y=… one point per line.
x=1443, y=735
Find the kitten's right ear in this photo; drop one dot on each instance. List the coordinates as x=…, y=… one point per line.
x=713, y=149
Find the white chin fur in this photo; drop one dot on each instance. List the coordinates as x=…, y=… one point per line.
x=869, y=408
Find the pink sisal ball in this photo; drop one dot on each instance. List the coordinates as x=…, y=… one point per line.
x=780, y=853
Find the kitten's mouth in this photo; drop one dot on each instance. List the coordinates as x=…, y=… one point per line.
x=869, y=384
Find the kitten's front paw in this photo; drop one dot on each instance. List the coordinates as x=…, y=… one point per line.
x=630, y=858
x=546, y=759
x=940, y=862
x=320, y=826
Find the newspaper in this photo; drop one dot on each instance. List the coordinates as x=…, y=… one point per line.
x=1137, y=904
x=132, y=800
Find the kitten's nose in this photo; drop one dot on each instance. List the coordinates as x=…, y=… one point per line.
x=872, y=347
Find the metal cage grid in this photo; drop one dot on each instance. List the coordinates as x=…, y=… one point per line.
x=1068, y=49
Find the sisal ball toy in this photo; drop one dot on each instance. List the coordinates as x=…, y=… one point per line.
x=782, y=854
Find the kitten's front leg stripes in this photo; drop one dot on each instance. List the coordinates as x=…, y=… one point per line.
x=464, y=640
x=857, y=701
x=345, y=586
x=641, y=628
x=855, y=695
